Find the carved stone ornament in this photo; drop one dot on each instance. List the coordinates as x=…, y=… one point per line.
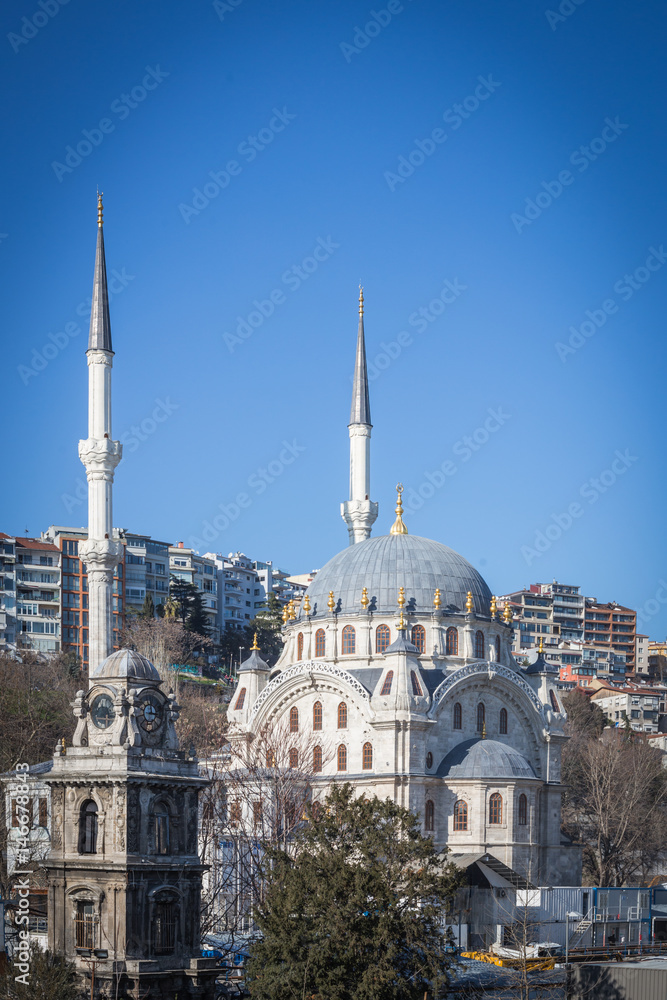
x=100, y=456
x=309, y=668
x=100, y=554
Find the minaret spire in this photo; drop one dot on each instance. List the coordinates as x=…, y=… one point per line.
x=100, y=455
x=359, y=512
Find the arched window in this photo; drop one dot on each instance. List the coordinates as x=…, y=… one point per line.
x=479, y=644
x=349, y=641
x=299, y=646
x=320, y=642
x=495, y=809
x=429, y=815
x=294, y=720
x=388, y=680
x=161, y=829
x=367, y=757
x=416, y=686
x=498, y=648
x=503, y=721
x=239, y=701
x=317, y=759
x=342, y=715
x=317, y=715
x=419, y=638
x=523, y=810
x=460, y=815
x=165, y=919
x=458, y=716
x=452, y=641
x=382, y=638
x=481, y=717
x=88, y=828
x=342, y=757
x=294, y=757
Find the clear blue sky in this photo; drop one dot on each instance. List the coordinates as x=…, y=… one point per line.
x=180, y=89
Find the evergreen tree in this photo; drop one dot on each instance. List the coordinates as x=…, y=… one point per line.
x=197, y=620
x=267, y=624
x=353, y=911
x=181, y=594
x=148, y=608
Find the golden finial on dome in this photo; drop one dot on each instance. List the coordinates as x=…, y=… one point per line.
x=62, y=744
x=398, y=528
x=285, y=615
x=401, y=597
x=469, y=602
x=540, y=648
x=361, y=300
x=290, y=610
x=484, y=730
x=255, y=647
x=364, y=598
x=331, y=603
x=437, y=600
x=100, y=209
x=402, y=624
x=306, y=605
x=494, y=607
x=507, y=613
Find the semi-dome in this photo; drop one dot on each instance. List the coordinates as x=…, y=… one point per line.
x=128, y=664
x=387, y=562
x=479, y=758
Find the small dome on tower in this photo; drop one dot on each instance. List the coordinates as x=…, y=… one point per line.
x=128, y=664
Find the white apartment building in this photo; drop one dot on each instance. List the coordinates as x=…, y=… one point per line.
x=186, y=564
x=37, y=578
x=146, y=570
x=642, y=706
x=242, y=589
x=641, y=654
x=8, y=620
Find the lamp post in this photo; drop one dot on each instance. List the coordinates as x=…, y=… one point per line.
x=241, y=648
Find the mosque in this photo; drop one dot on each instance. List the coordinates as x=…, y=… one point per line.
x=398, y=667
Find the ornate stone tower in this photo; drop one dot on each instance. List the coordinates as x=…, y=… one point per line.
x=360, y=512
x=124, y=874
x=100, y=455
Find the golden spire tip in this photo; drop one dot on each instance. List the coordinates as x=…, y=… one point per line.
x=254, y=646
x=398, y=528
x=361, y=300
x=100, y=208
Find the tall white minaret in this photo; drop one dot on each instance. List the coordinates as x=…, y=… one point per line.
x=359, y=512
x=100, y=455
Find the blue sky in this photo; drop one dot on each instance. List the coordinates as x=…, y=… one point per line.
x=512, y=224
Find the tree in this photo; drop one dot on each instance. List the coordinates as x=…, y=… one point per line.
x=353, y=911
x=148, y=608
x=181, y=593
x=268, y=624
x=165, y=642
x=197, y=619
x=584, y=717
x=50, y=976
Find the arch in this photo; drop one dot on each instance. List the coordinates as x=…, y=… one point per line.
x=498, y=648
x=481, y=717
x=349, y=641
x=458, y=716
x=294, y=719
x=240, y=700
x=419, y=638
x=495, y=809
x=382, y=638
x=416, y=686
x=452, y=641
x=479, y=644
x=341, y=757
x=460, y=815
x=88, y=826
x=317, y=716
x=367, y=757
x=293, y=757
x=429, y=815
x=299, y=646
x=320, y=643
x=342, y=715
x=161, y=829
x=502, y=728
x=317, y=759
x=523, y=810
x=388, y=681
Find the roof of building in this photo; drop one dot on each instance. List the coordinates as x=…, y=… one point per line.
x=99, y=336
x=33, y=543
x=127, y=663
x=480, y=758
x=387, y=562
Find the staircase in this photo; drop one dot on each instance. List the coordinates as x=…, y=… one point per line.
x=579, y=931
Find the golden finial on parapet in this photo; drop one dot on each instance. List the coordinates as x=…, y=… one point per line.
x=62, y=744
x=361, y=300
x=507, y=613
x=484, y=730
x=402, y=624
x=398, y=528
x=364, y=598
x=100, y=208
x=437, y=600
x=285, y=615
x=254, y=647
x=306, y=605
x=291, y=613
x=331, y=603
x=469, y=602
x=494, y=607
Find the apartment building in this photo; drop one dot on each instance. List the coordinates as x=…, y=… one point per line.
x=186, y=564
x=242, y=589
x=146, y=570
x=533, y=617
x=612, y=626
x=8, y=620
x=642, y=706
x=641, y=655
x=582, y=662
x=37, y=577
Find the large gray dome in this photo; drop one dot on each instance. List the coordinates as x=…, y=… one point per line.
x=128, y=664
x=384, y=564
x=478, y=758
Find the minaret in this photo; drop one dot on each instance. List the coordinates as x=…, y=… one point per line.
x=359, y=512
x=100, y=455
